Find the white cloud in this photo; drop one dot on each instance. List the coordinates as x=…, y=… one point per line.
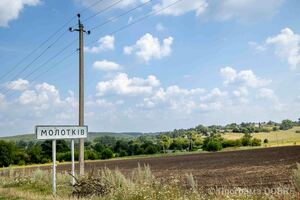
x=287, y=45
x=10, y=9
x=266, y=93
x=213, y=94
x=257, y=46
x=198, y=6
x=105, y=43
x=19, y=84
x=243, y=9
x=41, y=95
x=149, y=47
x=106, y=65
x=122, y=85
x=245, y=77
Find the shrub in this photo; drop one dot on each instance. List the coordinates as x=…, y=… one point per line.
x=231, y=143
x=246, y=139
x=266, y=141
x=90, y=155
x=151, y=149
x=297, y=131
x=123, y=153
x=107, y=153
x=256, y=142
x=213, y=145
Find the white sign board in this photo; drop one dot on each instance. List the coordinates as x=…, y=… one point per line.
x=60, y=132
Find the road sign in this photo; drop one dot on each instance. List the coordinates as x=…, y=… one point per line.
x=61, y=132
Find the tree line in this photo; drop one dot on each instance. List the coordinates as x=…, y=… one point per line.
x=208, y=138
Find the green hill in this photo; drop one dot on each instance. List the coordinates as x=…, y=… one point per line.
x=91, y=136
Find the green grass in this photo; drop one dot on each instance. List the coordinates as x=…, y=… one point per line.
x=276, y=138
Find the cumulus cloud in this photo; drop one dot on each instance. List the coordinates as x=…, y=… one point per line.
x=19, y=84
x=10, y=9
x=243, y=10
x=41, y=95
x=180, y=8
x=122, y=85
x=105, y=43
x=149, y=47
x=106, y=65
x=244, y=77
x=174, y=98
x=286, y=45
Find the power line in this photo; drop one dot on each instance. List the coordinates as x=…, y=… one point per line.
x=43, y=43
x=121, y=15
x=35, y=59
x=46, y=71
x=39, y=67
x=34, y=50
x=101, y=11
x=89, y=7
x=150, y=14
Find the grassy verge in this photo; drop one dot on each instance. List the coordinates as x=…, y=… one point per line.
x=108, y=184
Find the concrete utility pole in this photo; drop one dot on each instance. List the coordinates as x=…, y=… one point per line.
x=81, y=90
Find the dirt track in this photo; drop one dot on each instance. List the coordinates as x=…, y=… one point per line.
x=266, y=167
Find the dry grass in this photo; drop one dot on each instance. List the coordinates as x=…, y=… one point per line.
x=276, y=138
x=141, y=184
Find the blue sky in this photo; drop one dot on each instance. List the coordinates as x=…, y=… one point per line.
x=196, y=62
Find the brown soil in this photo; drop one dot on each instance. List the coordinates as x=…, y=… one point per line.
x=266, y=167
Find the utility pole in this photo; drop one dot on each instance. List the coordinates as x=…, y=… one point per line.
x=81, y=31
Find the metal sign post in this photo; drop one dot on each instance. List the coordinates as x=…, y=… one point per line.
x=73, y=162
x=55, y=133
x=54, y=167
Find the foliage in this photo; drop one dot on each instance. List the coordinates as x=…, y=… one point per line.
x=107, y=153
x=212, y=143
x=286, y=124
x=7, y=153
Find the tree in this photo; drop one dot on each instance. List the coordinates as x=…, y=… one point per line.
x=7, y=153
x=98, y=147
x=212, y=143
x=165, y=142
x=246, y=139
x=35, y=154
x=286, y=124
x=107, y=153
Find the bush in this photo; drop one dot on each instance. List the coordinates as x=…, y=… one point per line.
x=256, y=142
x=246, y=140
x=286, y=124
x=213, y=145
x=123, y=153
x=231, y=143
x=90, y=155
x=266, y=141
x=107, y=153
x=297, y=131
x=151, y=149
